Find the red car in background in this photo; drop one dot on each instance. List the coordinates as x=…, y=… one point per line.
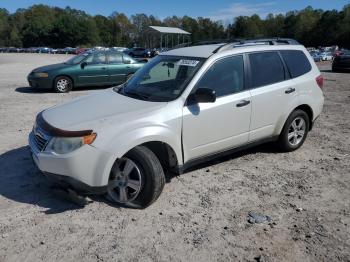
x=337, y=53
x=80, y=50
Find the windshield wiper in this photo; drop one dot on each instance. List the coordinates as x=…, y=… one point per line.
x=119, y=89
x=136, y=95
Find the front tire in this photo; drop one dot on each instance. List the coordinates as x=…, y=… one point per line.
x=137, y=179
x=295, y=131
x=63, y=84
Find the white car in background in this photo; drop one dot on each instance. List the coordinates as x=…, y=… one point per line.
x=326, y=56
x=119, y=49
x=184, y=107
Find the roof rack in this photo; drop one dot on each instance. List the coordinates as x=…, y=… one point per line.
x=211, y=42
x=252, y=42
x=204, y=42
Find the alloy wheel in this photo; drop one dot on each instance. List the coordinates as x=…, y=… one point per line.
x=62, y=85
x=296, y=131
x=126, y=181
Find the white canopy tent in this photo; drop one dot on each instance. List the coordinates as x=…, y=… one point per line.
x=165, y=32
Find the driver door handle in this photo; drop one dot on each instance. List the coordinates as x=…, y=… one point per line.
x=243, y=103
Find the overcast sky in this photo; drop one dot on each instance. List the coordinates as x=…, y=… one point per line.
x=217, y=10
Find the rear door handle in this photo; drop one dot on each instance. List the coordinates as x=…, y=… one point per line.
x=243, y=103
x=290, y=90
x=103, y=68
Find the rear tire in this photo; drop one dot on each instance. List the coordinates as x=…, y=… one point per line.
x=63, y=84
x=295, y=131
x=137, y=179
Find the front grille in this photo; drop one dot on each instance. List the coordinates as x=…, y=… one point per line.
x=40, y=142
x=38, y=139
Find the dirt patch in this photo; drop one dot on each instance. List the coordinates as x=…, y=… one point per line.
x=201, y=215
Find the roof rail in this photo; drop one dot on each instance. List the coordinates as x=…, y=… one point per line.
x=260, y=41
x=203, y=42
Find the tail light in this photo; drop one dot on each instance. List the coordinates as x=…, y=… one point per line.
x=319, y=81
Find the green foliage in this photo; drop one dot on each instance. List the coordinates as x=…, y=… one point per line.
x=41, y=25
x=4, y=17
x=309, y=26
x=344, y=30
x=104, y=27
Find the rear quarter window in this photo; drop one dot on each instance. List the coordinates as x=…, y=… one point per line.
x=296, y=61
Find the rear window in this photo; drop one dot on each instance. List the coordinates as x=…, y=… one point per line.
x=266, y=68
x=297, y=62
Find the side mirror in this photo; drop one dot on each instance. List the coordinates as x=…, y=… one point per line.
x=127, y=62
x=202, y=95
x=83, y=64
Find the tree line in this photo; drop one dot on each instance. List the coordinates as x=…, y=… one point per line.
x=42, y=25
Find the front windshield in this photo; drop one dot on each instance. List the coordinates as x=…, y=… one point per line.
x=162, y=79
x=76, y=59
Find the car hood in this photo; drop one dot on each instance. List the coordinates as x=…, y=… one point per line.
x=98, y=109
x=50, y=67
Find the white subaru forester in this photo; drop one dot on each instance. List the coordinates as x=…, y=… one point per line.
x=185, y=106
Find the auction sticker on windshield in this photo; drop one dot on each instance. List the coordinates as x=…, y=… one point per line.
x=187, y=62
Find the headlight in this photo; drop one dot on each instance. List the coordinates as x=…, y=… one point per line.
x=64, y=145
x=41, y=75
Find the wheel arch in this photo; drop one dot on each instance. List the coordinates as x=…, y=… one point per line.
x=305, y=107
x=308, y=110
x=165, y=153
x=162, y=142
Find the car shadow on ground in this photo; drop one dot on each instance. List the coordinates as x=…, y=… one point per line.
x=21, y=181
x=327, y=71
x=32, y=90
x=268, y=148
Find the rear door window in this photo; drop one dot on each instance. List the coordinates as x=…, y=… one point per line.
x=296, y=61
x=266, y=68
x=96, y=58
x=115, y=58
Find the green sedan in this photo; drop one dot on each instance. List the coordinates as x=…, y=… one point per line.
x=101, y=68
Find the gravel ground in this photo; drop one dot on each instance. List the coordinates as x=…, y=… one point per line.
x=201, y=215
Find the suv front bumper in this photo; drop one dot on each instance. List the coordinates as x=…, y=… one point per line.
x=77, y=186
x=84, y=169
